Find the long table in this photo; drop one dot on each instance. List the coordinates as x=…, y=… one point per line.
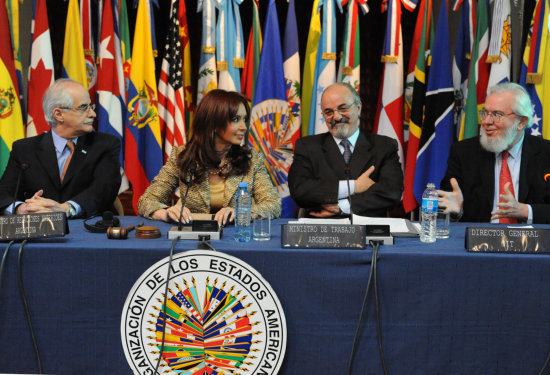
x=443, y=310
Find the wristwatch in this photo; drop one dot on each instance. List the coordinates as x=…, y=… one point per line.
x=72, y=210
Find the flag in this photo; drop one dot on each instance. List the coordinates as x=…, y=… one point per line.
x=13, y=15
x=461, y=58
x=143, y=146
x=500, y=45
x=349, y=70
x=111, y=110
x=309, y=65
x=252, y=60
x=171, y=95
x=11, y=119
x=41, y=70
x=409, y=78
x=229, y=43
x=125, y=43
x=291, y=68
x=534, y=61
x=186, y=50
x=207, y=71
x=89, y=50
x=271, y=130
x=389, y=119
x=417, y=104
x=438, y=131
x=325, y=67
x=74, y=66
x=478, y=76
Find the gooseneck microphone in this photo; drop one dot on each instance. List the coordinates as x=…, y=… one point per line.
x=190, y=178
x=347, y=171
x=22, y=167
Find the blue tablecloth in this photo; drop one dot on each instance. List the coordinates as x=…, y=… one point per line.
x=444, y=311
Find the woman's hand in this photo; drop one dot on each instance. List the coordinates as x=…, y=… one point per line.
x=173, y=214
x=224, y=215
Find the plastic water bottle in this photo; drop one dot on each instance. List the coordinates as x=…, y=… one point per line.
x=429, y=214
x=243, y=202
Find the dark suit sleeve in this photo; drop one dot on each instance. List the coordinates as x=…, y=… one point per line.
x=537, y=180
x=100, y=193
x=388, y=187
x=309, y=187
x=453, y=170
x=9, y=180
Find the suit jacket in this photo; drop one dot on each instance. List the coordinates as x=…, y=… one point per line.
x=264, y=195
x=474, y=169
x=319, y=165
x=92, y=179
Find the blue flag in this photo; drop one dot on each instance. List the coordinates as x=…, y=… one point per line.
x=438, y=127
x=270, y=119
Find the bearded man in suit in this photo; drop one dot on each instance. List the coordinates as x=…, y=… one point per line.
x=503, y=175
x=323, y=163
x=71, y=168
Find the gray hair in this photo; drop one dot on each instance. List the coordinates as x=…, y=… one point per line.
x=522, y=103
x=57, y=97
x=351, y=89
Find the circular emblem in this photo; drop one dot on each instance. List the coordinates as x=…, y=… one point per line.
x=221, y=317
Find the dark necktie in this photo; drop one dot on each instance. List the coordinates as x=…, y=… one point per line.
x=70, y=145
x=347, y=150
x=505, y=177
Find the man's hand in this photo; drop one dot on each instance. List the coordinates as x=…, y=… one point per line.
x=509, y=207
x=364, y=182
x=327, y=210
x=37, y=204
x=451, y=201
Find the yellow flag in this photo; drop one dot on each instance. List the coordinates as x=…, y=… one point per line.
x=74, y=65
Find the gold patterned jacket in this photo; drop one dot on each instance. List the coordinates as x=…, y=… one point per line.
x=264, y=195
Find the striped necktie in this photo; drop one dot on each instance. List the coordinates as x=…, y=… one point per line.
x=347, y=150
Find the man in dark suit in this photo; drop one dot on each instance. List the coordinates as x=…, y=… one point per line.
x=503, y=175
x=322, y=163
x=71, y=168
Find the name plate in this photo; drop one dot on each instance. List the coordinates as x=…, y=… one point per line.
x=27, y=226
x=508, y=240
x=323, y=236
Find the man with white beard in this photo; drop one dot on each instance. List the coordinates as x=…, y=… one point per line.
x=503, y=175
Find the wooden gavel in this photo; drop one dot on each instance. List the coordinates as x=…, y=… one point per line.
x=118, y=233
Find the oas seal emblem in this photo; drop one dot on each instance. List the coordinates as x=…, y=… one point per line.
x=221, y=317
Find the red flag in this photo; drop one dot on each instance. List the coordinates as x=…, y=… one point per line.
x=41, y=70
x=170, y=90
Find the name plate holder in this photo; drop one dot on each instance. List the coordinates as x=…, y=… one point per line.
x=32, y=226
x=323, y=236
x=516, y=240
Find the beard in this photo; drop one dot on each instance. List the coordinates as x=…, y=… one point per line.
x=342, y=128
x=502, y=142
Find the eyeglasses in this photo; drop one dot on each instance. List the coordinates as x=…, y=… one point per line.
x=343, y=110
x=83, y=108
x=496, y=116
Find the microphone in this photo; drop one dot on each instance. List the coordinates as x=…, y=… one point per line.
x=191, y=178
x=22, y=167
x=347, y=171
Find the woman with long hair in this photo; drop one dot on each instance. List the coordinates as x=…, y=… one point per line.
x=212, y=165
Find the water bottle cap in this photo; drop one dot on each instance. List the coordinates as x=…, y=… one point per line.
x=243, y=184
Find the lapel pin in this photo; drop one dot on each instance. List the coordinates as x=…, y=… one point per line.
x=84, y=152
x=546, y=176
